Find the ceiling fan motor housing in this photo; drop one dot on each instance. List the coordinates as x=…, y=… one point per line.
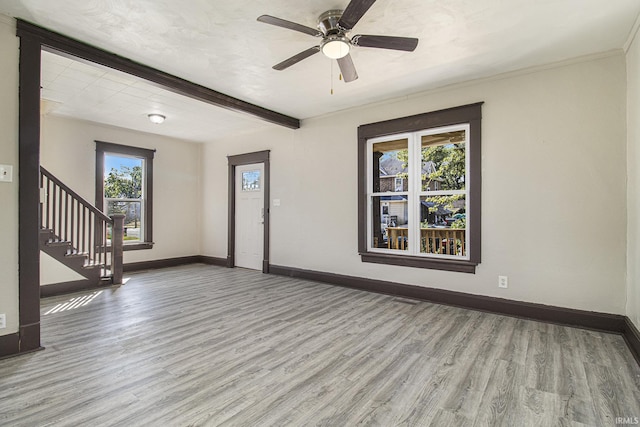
x=328, y=22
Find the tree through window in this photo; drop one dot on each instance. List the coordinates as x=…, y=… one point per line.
x=124, y=186
x=123, y=193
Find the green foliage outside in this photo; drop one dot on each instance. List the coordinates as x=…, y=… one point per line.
x=449, y=162
x=459, y=224
x=125, y=183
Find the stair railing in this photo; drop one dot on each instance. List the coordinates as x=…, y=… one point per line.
x=90, y=232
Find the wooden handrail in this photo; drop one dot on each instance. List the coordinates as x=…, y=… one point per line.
x=75, y=195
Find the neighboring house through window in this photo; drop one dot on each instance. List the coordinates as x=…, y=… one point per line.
x=124, y=185
x=430, y=218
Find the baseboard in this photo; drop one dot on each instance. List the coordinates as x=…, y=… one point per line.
x=222, y=262
x=55, y=289
x=160, y=263
x=27, y=340
x=174, y=262
x=547, y=313
x=9, y=344
x=632, y=337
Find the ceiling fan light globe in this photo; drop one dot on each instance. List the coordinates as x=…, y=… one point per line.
x=335, y=48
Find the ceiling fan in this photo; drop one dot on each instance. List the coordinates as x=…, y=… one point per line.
x=333, y=28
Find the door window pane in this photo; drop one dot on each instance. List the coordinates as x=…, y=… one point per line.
x=251, y=180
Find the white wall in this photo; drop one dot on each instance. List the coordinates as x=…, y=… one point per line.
x=68, y=151
x=554, y=192
x=9, y=191
x=53, y=271
x=633, y=181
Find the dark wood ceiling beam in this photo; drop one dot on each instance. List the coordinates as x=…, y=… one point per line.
x=67, y=46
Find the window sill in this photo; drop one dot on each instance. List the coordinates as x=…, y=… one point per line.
x=419, y=262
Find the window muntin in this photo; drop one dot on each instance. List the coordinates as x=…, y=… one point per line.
x=428, y=218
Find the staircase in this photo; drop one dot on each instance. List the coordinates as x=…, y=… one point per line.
x=78, y=235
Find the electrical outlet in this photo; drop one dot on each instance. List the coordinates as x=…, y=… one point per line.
x=3, y=321
x=503, y=282
x=6, y=173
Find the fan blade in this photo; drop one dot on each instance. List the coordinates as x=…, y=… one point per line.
x=296, y=58
x=347, y=68
x=386, y=42
x=267, y=19
x=353, y=12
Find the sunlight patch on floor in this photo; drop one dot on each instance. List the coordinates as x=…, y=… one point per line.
x=74, y=303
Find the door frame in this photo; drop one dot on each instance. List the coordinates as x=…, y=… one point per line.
x=239, y=160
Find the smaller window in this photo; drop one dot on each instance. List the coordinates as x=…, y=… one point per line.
x=124, y=185
x=399, y=186
x=251, y=180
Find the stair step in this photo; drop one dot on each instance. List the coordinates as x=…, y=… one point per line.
x=58, y=243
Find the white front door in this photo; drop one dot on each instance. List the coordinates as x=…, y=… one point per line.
x=249, y=216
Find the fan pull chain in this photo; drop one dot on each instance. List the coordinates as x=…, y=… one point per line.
x=331, y=76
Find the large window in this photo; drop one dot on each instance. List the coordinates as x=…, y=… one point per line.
x=124, y=183
x=420, y=190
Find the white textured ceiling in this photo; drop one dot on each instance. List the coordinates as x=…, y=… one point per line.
x=219, y=44
x=82, y=91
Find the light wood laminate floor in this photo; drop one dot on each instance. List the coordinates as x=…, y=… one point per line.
x=203, y=345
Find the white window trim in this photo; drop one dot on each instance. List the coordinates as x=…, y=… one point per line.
x=141, y=199
x=413, y=194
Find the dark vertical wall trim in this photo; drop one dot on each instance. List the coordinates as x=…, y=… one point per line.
x=231, y=221
x=29, y=195
x=148, y=212
x=246, y=159
x=475, y=186
x=267, y=186
x=99, y=200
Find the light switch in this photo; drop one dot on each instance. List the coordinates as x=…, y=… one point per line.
x=6, y=173
x=276, y=202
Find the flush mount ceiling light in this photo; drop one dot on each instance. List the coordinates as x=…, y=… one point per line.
x=156, y=118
